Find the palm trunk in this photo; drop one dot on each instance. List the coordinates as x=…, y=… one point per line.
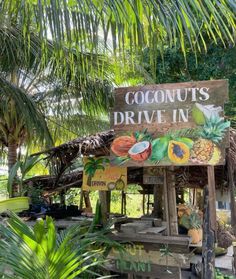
x=12, y=158
x=89, y=180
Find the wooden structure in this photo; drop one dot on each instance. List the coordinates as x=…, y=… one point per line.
x=172, y=177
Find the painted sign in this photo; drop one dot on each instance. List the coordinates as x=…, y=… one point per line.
x=170, y=124
x=135, y=259
x=99, y=175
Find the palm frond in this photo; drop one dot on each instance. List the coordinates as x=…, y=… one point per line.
x=43, y=253
x=132, y=24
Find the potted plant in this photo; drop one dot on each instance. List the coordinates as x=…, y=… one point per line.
x=16, y=179
x=193, y=223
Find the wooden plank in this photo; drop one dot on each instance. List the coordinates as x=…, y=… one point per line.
x=153, y=230
x=157, y=239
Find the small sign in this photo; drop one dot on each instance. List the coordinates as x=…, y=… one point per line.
x=99, y=175
x=153, y=175
x=170, y=124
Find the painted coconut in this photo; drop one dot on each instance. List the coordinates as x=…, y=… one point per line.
x=111, y=185
x=121, y=145
x=140, y=151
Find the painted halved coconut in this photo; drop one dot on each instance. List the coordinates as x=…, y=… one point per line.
x=111, y=185
x=140, y=151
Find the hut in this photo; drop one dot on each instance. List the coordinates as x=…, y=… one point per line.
x=162, y=243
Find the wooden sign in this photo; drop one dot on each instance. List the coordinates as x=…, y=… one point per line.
x=152, y=175
x=98, y=175
x=136, y=260
x=170, y=124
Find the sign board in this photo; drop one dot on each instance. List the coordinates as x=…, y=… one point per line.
x=170, y=124
x=152, y=175
x=136, y=260
x=98, y=175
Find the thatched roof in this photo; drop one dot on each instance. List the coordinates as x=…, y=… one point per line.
x=63, y=156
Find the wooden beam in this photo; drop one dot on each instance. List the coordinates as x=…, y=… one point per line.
x=212, y=196
x=81, y=199
x=209, y=227
x=160, y=202
x=171, y=192
x=166, y=201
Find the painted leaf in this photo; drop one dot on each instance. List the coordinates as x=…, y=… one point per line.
x=189, y=142
x=159, y=148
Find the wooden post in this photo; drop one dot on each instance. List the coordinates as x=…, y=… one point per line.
x=148, y=204
x=155, y=200
x=166, y=202
x=81, y=199
x=209, y=227
x=234, y=258
x=62, y=197
x=103, y=201
x=143, y=202
x=232, y=197
x=108, y=201
x=125, y=203
x=87, y=199
x=171, y=193
x=122, y=202
x=160, y=202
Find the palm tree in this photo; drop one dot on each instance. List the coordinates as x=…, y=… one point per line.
x=130, y=25
x=31, y=94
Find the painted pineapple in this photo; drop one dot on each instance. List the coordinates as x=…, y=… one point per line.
x=205, y=149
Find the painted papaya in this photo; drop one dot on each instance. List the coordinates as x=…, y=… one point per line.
x=178, y=152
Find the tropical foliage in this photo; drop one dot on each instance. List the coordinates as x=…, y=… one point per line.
x=89, y=26
x=217, y=63
x=41, y=252
x=33, y=98
x=24, y=167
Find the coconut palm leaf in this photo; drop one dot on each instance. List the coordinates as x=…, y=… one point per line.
x=40, y=252
x=132, y=24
